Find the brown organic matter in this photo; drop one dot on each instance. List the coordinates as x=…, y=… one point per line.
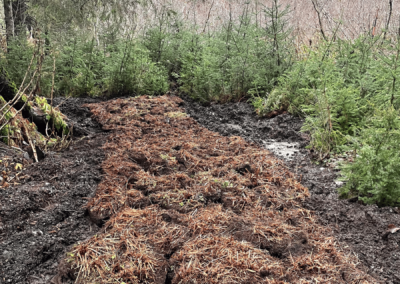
x=181, y=204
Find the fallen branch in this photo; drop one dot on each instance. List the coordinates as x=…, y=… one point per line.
x=31, y=143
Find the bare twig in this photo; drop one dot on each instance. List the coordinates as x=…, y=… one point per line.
x=30, y=142
x=19, y=94
x=52, y=91
x=375, y=23
x=11, y=105
x=315, y=4
x=389, y=17
x=208, y=17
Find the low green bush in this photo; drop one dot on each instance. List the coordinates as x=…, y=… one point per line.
x=83, y=68
x=238, y=59
x=374, y=174
x=334, y=88
x=243, y=58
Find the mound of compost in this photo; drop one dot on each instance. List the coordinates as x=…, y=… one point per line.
x=182, y=204
x=41, y=207
x=362, y=227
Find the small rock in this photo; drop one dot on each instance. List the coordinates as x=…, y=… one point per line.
x=338, y=182
x=234, y=127
x=7, y=254
x=26, y=156
x=36, y=233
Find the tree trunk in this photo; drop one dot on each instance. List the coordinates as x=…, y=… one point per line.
x=316, y=8
x=9, y=19
x=22, y=20
x=16, y=18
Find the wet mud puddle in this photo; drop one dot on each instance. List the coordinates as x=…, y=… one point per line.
x=285, y=150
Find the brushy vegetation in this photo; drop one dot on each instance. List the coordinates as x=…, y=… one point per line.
x=348, y=94
x=83, y=69
x=347, y=90
x=375, y=172
x=241, y=58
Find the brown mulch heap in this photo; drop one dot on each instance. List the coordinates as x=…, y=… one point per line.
x=182, y=204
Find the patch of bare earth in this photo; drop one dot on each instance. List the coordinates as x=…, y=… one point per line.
x=181, y=204
x=42, y=204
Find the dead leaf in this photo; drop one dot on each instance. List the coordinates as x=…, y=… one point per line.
x=393, y=229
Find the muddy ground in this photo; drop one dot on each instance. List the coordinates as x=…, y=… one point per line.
x=358, y=225
x=43, y=216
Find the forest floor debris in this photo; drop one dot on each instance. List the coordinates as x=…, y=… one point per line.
x=190, y=206
x=360, y=227
x=182, y=204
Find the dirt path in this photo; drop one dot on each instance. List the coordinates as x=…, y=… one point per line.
x=360, y=226
x=182, y=204
x=42, y=218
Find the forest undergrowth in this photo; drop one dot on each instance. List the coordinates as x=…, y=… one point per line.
x=179, y=203
x=346, y=89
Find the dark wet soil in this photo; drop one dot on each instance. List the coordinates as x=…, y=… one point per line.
x=359, y=226
x=240, y=119
x=44, y=215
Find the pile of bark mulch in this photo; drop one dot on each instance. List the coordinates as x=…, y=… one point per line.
x=181, y=204
x=42, y=205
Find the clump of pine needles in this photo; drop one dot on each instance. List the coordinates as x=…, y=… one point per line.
x=192, y=206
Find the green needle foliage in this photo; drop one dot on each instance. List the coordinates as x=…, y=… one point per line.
x=374, y=174
x=348, y=93
x=346, y=90
x=239, y=59
x=83, y=68
x=334, y=88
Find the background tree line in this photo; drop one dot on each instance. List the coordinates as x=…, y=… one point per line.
x=340, y=75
